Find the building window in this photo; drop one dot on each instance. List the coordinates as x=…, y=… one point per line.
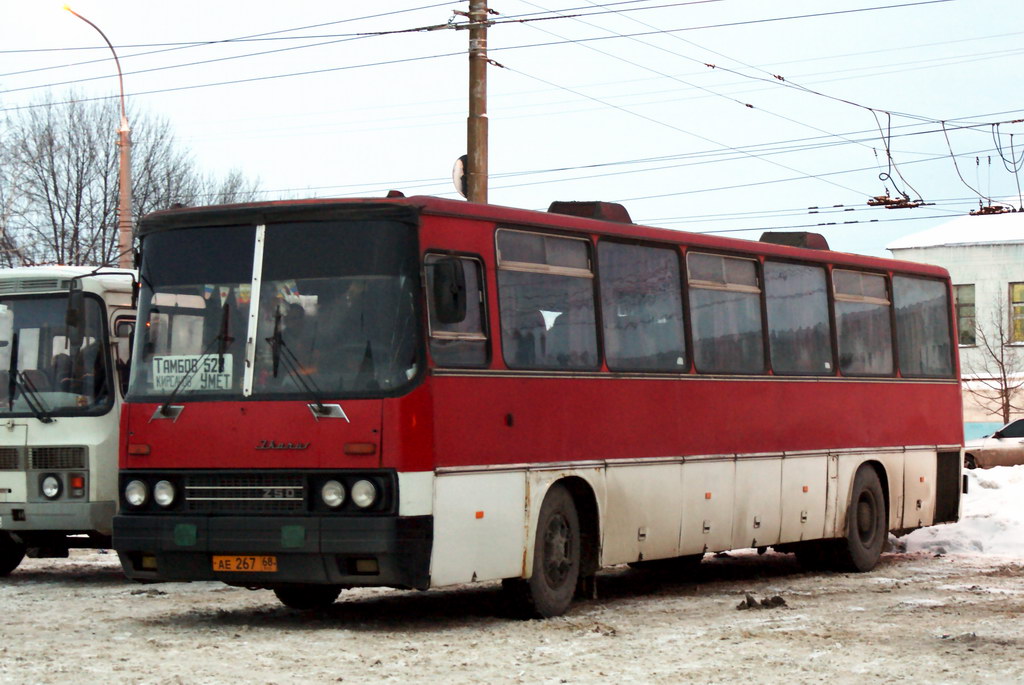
x=1017, y=312
x=964, y=298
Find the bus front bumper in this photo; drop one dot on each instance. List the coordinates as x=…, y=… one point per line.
x=56, y=517
x=353, y=551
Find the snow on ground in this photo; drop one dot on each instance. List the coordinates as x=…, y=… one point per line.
x=991, y=518
x=949, y=608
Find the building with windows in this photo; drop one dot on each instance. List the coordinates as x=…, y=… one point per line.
x=985, y=258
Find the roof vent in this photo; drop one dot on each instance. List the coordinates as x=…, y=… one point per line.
x=605, y=211
x=814, y=241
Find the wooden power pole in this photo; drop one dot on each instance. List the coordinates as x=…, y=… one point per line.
x=476, y=126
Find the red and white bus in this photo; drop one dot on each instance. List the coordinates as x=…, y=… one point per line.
x=417, y=392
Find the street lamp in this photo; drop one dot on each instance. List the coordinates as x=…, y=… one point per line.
x=124, y=142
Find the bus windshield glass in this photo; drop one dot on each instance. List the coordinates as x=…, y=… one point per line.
x=328, y=305
x=43, y=368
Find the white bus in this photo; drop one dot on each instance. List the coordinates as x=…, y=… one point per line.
x=65, y=337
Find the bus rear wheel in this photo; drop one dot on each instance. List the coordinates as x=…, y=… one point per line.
x=305, y=597
x=866, y=528
x=556, y=559
x=11, y=554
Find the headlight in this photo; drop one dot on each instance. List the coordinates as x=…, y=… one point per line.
x=135, y=493
x=163, y=493
x=364, y=493
x=51, y=487
x=333, y=494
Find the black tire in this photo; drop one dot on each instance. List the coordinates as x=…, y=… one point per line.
x=970, y=462
x=305, y=597
x=556, y=559
x=866, y=529
x=11, y=554
x=673, y=566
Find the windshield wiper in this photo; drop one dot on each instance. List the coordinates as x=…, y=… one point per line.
x=223, y=339
x=32, y=398
x=280, y=351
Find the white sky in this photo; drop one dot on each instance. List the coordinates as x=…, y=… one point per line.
x=354, y=129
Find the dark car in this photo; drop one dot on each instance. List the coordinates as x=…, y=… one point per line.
x=1005, y=447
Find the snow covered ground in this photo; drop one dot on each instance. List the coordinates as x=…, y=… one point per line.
x=991, y=518
x=946, y=605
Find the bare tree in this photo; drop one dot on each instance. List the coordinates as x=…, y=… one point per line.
x=60, y=184
x=995, y=373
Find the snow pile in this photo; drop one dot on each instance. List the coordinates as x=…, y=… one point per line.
x=991, y=518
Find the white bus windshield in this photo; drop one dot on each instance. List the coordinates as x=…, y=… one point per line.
x=44, y=368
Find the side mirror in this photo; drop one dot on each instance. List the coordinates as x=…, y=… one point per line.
x=449, y=290
x=74, y=317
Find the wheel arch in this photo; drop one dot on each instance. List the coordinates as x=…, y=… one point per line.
x=590, y=522
x=883, y=478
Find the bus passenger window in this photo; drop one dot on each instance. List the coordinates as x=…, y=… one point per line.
x=863, y=326
x=725, y=314
x=546, y=295
x=463, y=343
x=641, y=307
x=922, y=327
x=799, y=334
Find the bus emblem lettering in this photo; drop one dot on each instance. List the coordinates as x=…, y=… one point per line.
x=272, y=445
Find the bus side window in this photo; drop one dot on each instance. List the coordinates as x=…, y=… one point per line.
x=799, y=333
x=922, y=327
x=725, y=314
x=863, y=327
x=546, y=293
x=463, y=343
x=641, y=307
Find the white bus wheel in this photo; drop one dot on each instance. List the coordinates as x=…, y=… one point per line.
x=11, y=554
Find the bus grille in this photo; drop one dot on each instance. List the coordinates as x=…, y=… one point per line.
x=8, y=458
x=251, y=493
x=44, y=458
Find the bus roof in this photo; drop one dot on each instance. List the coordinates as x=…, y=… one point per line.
x=277, y=210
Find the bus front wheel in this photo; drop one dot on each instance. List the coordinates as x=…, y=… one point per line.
x=556, y=558
x=11, y=553
x=866, y=528
x=307, y=596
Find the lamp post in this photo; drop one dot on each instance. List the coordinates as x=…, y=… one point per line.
x=124, y=142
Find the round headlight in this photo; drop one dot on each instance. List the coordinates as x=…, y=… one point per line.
x=51, y=487
x=333, y=494
x=364, y=493
x=135, y=493
x=163, y=493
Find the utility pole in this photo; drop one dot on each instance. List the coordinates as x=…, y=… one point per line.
x=476, y=126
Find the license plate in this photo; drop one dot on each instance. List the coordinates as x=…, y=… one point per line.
x=243, y=563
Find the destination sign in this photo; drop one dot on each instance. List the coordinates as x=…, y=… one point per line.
x=204, y=371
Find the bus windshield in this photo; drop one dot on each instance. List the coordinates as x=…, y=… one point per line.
x=45, y=370
x=292, y=310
